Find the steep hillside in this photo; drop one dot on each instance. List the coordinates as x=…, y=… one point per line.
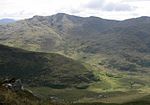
x=42, y=69
x=51, y=32
x=122, y=45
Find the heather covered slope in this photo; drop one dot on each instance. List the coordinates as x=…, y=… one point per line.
x=42, y=69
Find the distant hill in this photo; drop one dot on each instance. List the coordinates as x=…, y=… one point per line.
x=6, y=21
x=122, y=45
x=42, y=69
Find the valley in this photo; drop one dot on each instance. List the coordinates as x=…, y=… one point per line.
x=73, y=60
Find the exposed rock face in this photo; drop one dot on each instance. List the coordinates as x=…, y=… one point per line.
x=13, y=84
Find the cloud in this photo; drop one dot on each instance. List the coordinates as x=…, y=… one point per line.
x=118, y=7
x=110, y=9
x=104, y=5
x=16, y=15
x=74, y=11
x=95, y=4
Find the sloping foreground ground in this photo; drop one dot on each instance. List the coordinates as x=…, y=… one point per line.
x=8, y=97
x=23, y=97
x=143, y=101
x=85, y=96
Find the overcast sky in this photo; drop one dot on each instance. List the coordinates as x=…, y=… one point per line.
x=109, y=9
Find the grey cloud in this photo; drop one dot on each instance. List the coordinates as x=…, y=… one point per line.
x=74, y=11
x=95, y=4
x=117, y=7
x=109, y=6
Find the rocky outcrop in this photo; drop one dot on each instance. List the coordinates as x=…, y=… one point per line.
x=13, y=84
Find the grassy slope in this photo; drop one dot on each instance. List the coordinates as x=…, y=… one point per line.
x=8, y=97
x=90, y=97
x=145, y=100
x=42, y=69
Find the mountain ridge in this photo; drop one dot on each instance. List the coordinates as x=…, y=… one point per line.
x=62, y=14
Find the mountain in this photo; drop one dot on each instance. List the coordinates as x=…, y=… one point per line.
x=122, y=45
x=42, y=69
x=6, y=21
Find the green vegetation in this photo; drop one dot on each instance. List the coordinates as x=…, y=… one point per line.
x=111, y=63
x=42, y=69
x=71, y=97
x=85, y=96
